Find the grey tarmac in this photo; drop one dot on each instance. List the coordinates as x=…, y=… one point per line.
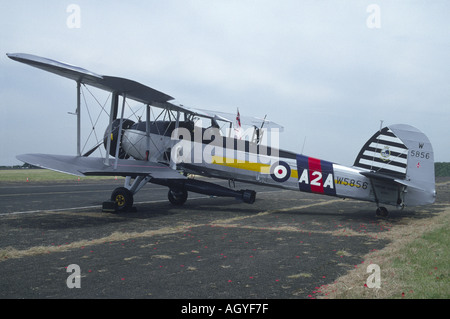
x=285, y=246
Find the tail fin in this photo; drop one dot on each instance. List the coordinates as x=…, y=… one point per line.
x=405, y=154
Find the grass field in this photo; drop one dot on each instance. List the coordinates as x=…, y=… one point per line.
x=424, y=265
x=415, y=265
x=42, y=175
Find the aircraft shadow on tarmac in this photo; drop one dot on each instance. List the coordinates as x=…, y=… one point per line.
x=345, y=210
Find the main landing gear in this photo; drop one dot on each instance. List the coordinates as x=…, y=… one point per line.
x=177, y=197
x=382, y=212
x=122, y=199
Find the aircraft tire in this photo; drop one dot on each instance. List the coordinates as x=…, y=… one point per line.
x=124, y=199
x=177, y=197
x=382, y=212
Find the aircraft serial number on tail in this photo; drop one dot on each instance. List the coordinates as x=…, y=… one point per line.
x=420, y=154
x=351, y=182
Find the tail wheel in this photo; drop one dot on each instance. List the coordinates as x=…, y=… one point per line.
x=123, y=197
x=177, y=197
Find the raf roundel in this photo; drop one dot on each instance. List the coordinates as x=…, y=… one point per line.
x=280, y=172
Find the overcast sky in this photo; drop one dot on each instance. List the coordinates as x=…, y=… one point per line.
x=327, y=70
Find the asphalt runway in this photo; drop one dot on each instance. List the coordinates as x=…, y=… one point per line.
x=284, y=246
x=33, y=197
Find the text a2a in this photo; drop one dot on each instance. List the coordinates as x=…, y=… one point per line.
x=315, y=179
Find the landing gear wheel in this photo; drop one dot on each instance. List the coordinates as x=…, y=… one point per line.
x=382, y=212
x=124, y=199
x=177, y=197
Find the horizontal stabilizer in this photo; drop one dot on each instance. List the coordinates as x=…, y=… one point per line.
x=386, y=178
x=378, y=176
x=94, y=166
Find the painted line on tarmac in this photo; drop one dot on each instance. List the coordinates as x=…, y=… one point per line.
x=100, y=206
x=79, y=208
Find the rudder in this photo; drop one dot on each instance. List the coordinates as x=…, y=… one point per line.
x=405, y=154
x=420, y=169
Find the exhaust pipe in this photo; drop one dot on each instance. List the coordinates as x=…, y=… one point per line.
x=206, y=188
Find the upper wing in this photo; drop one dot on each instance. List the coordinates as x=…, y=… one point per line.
x=132, y=89
x=245, y=120
x=56, y=67
x=84, y=166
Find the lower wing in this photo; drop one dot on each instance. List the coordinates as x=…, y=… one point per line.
x=85, y=166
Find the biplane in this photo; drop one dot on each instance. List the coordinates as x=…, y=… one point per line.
x=394, y=167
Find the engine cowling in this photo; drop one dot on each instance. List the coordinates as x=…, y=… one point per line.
x=126, y=124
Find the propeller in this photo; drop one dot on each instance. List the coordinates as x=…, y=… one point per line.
x=126, y=124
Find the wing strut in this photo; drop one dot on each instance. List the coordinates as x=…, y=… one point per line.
x=78, y=118
x=173, y=165
x=147, y=131
x=112, y=114
x=119, y=141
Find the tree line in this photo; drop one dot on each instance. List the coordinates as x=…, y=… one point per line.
x=441, y=169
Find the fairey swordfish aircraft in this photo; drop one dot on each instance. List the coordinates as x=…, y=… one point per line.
x=394, y=167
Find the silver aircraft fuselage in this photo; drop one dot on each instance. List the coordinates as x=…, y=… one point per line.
x=201, y=152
